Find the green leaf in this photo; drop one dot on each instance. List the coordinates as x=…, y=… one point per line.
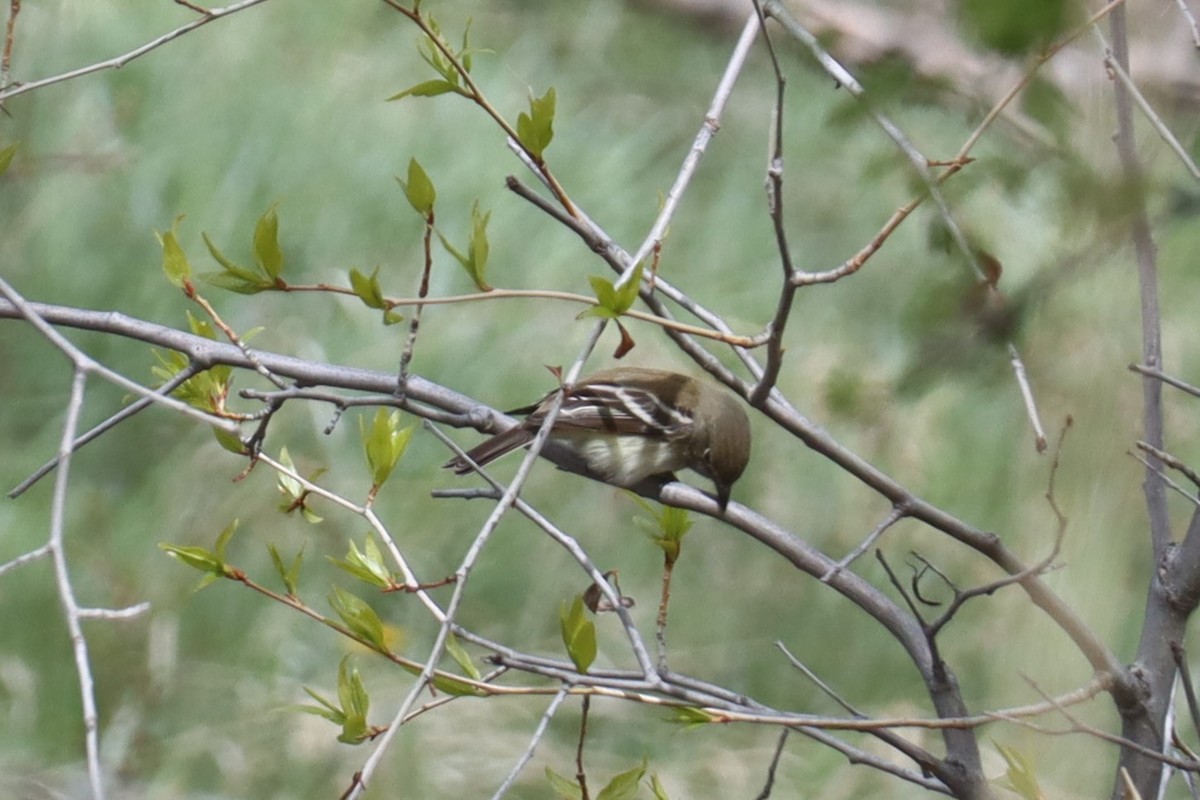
x=391, y=317
x=174, y=261
x=224, y=537
x=432, y=54
x=290, y=575
x=235, y=283
x=478, y=248
x=367, y=288
x=691, y=717
x=535, y=130
x=210, y=562
x=665, y=527
x=200, y=558
x=295, y=496
x=429, y=88
x=327, y=709
x=201, y=326
x=460, y=656
x=627, y=294
x=384, y=443
x=266, y=244
x=606, y=298
x=350, y=712
x=1021, y=776
x=267, y=256
x=623, y=786
x=359, y=617
x=206, y=391
x=6, y=156
x=464, y=55
x=612, y=301
x=563, y=788
x=578, y=633
x=225, y=263
x=352, y=694
x=419, y=189
x=367, y=565
x=328, y=704
x=288, y=486
x=230, y=441
x=660, y=792
x=451, y=685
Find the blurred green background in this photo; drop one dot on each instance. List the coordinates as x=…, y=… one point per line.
x=284, y=103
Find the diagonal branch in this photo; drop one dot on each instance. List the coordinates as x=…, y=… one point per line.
x=210, y=15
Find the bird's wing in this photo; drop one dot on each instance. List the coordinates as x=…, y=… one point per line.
x=624, y=409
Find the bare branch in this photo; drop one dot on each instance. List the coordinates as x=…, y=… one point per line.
x=766, y=790
x=896, y=514
x=1031, y=411
x=129, y=612
x=207, y=16
x=1154, y=372
x=1190, y=20
x=538, y=733
x=17, y=307
x=14, y=8
x=36, y=554
x=180, y=378
x=1185, y=677
x=66, y=591
x=1171, y=461
x=1143, y=104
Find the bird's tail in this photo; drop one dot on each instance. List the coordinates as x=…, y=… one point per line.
x=488, y=451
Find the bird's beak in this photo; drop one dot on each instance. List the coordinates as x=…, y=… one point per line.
x=723, y=491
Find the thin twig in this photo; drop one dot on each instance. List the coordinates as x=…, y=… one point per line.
x=1145, y=253
x=1143, y=104
x=824, y=687
x=66, y=591
x=414, y=325
x=774, y=765
x=117, y=62
x=177, y=380
x=580, y=772
x=1171, y=461
x=236, y=340
x=1185, y=677
x=709, y=128
x=377, y=527
x=920, y=165
x=1190, y=19
x=14, y=8
x=1035, y=419
x=1153, y=463
x=896, y=514
x=1154, y=372
x=29, y=311
x=538, y=733
x=774, y=184
x=581, y=557
x=476, y=95
x=36, y=554
x=1078, y=726
x=960, y=160
x=918, y=754
x=129, y=612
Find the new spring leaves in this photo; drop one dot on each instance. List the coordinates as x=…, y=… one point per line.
x=264, y=275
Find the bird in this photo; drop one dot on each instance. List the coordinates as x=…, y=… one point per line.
x=628, y=424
